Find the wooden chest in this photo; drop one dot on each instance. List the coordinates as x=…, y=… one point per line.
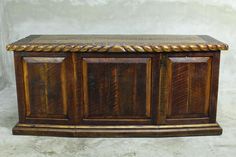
x=117, y=85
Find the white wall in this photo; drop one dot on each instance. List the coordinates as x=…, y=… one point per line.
x=217, y=18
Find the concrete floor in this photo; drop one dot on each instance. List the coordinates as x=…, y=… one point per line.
x=33, y=146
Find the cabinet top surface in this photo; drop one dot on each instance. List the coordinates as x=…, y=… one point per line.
x=117, y=43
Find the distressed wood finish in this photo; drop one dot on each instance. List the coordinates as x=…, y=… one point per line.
x=97, y=94
x=46, y=94
x=188, y=81
x=117, y=88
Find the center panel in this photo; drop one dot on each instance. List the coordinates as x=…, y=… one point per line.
x=117, y=89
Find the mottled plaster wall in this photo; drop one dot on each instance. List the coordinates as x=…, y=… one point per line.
x=217, y=18
x=3, y=38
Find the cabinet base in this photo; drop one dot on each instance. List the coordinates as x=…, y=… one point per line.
x=117, y=131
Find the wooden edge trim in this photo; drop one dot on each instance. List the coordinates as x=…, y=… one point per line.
x=118, y=127
x=117, y=132
x=116, y=48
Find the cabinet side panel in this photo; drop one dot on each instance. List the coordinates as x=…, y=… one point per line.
x=20, y=86
x=214, y=86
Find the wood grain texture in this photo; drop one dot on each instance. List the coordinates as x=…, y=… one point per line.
x=43, y=76
x=187, y=89
x=47, y=88
x=117, y=88
x=189, y=85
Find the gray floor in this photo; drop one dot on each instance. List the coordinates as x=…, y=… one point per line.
x=32, y=146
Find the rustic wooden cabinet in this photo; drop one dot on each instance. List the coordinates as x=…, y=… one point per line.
x=117, y=85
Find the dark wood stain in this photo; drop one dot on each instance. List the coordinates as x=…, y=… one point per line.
x=116, y=88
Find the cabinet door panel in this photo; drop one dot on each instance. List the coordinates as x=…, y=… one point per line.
x=47, y=88
x=117, y=89
x=187, y=83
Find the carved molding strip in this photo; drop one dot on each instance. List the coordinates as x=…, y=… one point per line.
x=117, y=48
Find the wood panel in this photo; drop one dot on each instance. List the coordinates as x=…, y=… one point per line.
x=189, y=84
x=186, y=84
x=117, y=89
x=47, y=88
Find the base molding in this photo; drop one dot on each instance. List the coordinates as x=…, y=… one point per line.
x=117, y=131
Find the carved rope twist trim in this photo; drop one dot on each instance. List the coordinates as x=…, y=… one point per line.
x=117, y=48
